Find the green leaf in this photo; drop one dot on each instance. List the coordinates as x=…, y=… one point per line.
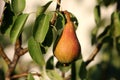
x=42, y=9
x=60, y=21
x=18, y=26
x=63, y=67
x=18, y=6
x=49, y=38
x=35, y=51
x=118, y=44
x=95, y=72
x=74, y=20
x=30, y=77
x=94, y=35
x=8, y=19
x=78, y=70
x=115, y=24
x=97, y=14
x=50, y=63
x=41, y=27
x=53, y=75
x=59, y=24
x=2, y=73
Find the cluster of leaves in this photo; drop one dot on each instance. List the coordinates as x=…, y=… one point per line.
x=44, y=34
x=109, y=38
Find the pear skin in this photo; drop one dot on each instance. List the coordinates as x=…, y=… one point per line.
x=68, y=47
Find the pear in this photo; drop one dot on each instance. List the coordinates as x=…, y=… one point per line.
x=68, y=48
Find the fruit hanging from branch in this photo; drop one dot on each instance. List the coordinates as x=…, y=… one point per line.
x=68, y=48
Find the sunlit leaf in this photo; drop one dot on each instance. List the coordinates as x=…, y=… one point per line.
x=42, y=9
x=35, y=51
x=30, y=77
x=41, y=27
x=18, y=26
x=18, y=6
x=115, y=24
x=53, y=75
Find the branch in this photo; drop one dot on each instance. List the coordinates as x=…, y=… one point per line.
x=4, y=56
x=11, y=67
x=94, y=53
x=24, y=75
x=55, y=16
x=57, y=9
x=23, y=51
x=18, y=52
x=58, y=5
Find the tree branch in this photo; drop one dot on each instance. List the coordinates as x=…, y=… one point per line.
x=24, y=75
x=58, y=5
x=57, y=9
x=19, y=51
x=11, y=67
x=23, y=51
x=94, y=53
x=4, y=56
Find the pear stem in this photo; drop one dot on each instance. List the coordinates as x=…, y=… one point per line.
x=67, y=14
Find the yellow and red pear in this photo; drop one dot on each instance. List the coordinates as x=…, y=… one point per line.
x=68, y=47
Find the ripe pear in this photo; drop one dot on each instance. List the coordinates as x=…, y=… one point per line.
x=68, y=48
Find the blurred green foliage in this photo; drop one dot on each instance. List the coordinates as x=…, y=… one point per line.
x=107, y=69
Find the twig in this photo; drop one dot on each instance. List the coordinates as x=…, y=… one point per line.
x=24, y=75
x=23, y=51
x=4, y=56
x=19, y=51
x=58, y=5
x=53, y=19
x=11, y=67
x=57, y=9
x=94, y=53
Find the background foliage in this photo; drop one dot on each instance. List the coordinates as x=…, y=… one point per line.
x=43, y=35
